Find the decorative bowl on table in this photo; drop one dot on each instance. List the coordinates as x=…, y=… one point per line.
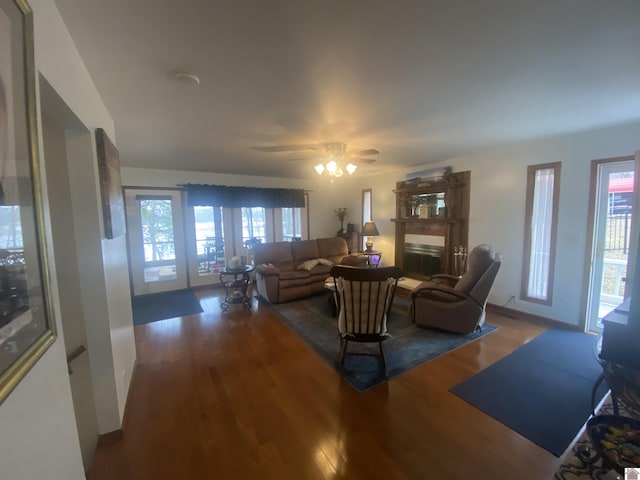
x=616, y=439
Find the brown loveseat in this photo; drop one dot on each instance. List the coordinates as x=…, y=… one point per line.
x=288, y=271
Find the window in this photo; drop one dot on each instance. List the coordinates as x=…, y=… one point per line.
x=541, y=221
x=367, y=210
x=156, y=220
x=367, y=215
x=291, y=224
x=10, y=228
x=253, y=224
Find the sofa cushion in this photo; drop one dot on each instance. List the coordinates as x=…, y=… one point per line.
x=321, y=270
x=304, y=250
x=277, y=253
x=308, y=264
x=324, y=261
x=331, y=248
x=294, y=275
x=294, y=278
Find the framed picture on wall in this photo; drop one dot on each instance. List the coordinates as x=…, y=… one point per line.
x=27, y=325
x=110, y=186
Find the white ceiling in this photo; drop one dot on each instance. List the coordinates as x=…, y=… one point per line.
x=421, y=81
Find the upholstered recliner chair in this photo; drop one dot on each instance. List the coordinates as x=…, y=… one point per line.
x=459, y=308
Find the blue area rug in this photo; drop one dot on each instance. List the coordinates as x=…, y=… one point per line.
x=160, y=306
x=409, y=347
x=542, y=390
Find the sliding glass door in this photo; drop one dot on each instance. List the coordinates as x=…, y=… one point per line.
x=612, y=216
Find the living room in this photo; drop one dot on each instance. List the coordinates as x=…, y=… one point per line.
x=91, y=276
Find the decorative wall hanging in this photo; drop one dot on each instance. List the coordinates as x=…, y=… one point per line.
x=110, y=186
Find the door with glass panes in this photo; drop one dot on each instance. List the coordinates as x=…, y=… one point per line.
x=156, y=240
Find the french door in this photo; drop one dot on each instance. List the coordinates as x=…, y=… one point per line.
x=172, y=247
x=611, y=244
x=156, y=240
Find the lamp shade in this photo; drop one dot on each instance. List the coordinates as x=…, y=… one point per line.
x=370, y=230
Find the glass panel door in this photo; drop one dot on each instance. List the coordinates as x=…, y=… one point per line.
x=611, y=240
x=206, y=244
x=156, y=241
x=254, y=230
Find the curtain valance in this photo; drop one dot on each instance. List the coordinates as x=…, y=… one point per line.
x=236, y=197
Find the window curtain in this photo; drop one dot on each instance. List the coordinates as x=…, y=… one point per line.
x=541, y=222
x=237, y=197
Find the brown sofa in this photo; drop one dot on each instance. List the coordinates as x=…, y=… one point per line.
x=288, y=271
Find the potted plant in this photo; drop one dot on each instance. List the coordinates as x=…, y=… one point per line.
x=341, y=213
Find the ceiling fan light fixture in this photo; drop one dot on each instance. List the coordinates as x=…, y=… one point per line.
x=337, y=160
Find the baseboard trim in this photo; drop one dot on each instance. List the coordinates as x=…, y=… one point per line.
x=537, y=319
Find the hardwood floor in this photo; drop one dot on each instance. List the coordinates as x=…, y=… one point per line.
x=239, y=396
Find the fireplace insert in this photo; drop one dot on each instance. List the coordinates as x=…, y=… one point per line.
x=422, y=260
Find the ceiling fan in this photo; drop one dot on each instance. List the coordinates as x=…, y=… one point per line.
x=336, y=158
x=335, y=150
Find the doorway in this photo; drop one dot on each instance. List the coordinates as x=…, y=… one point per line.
x=156, y=240
x=66, y=143
x=611, y=214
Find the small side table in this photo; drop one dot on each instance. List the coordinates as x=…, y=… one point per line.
x=373, y=258
x=332, y=300
x=236, y=282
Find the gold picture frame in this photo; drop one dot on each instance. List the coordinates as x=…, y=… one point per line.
x=27, y=324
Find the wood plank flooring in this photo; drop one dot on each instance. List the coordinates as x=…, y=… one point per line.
x=239, y=396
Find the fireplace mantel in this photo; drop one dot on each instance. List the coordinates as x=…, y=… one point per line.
x=434, y=207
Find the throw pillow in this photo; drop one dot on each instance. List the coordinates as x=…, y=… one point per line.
x=324, y=261
x=308, y=265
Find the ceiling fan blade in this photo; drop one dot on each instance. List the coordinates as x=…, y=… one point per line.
x=286, y=148
x=362, y=160
x=362, y=153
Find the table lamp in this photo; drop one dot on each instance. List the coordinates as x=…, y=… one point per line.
x=369, y=230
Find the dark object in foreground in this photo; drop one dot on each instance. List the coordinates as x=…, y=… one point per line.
x=617, y=440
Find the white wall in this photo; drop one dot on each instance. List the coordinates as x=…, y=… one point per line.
x=59, y=62
x=38, y=437
x=498, y=187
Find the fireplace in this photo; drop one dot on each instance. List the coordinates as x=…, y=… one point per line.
x=422, y=260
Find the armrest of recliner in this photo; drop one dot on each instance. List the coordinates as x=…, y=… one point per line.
x=267, y=270
x=444, y=278
x=427, y=291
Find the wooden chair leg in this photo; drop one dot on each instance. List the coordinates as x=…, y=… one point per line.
x=593, y=394
x=384, y=361
x=343, y=352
